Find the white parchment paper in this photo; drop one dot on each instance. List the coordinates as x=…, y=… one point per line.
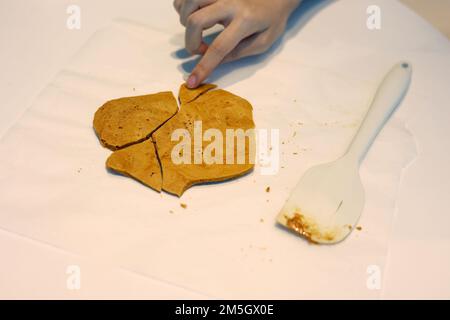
x=225, y=244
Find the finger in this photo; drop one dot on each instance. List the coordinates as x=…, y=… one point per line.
x=177, y=5
x=226, y=41
x=203, y=48
x=199, y=21
x=190, y=6
x=255, y=44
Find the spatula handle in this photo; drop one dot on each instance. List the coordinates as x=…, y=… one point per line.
x=387, y=99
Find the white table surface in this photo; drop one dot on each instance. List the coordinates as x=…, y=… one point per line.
x=35, y=44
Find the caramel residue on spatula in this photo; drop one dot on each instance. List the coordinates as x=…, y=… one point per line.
x=307, y=229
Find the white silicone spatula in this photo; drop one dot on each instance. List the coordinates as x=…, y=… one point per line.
x=327, y=202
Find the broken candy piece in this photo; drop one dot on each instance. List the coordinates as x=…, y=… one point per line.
x=219, y=110
x=121, y=122
x=187, y=95
x=138, y=161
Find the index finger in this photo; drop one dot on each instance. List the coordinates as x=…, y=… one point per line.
x=199, y=21
x=226, y=41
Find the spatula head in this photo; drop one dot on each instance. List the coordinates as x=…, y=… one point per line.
x=326, y=204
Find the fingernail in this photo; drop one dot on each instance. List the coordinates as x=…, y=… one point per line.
x=192, y=81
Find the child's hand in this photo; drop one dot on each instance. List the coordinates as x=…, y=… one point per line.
x=251, y=27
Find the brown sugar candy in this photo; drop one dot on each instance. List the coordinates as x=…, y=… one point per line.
x=138, y=161
x=125, y=121
x=216, y=109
